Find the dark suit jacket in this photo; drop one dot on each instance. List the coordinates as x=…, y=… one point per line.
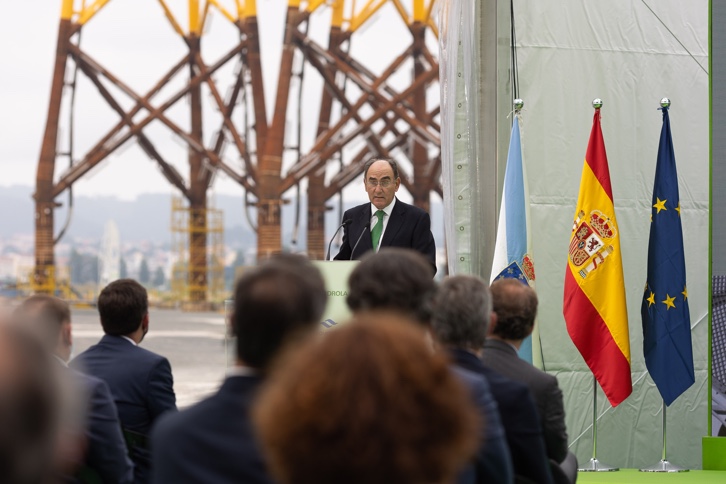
x=408, y=227
x=211, y=442
x=107, y=454
x=140, y=382
x=519, y=418
x=493, y=461
x=502, y=358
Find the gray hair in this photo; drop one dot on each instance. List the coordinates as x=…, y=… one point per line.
x=462, y=312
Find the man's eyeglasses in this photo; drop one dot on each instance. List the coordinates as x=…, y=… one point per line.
x=385, y=183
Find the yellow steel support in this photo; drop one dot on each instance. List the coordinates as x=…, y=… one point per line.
x=47, y=285
x=419, y=11
x=247, y=8
x=427, y=17
x=432, y=25
x=402, y=12
x=181, y=228
x=314, y=4
x=91, y=10
x=172, y=20
x=67, y=9
x=205, y=13
x=338, y=11
x=195, y=26
x=222, y=10
x=366, y=12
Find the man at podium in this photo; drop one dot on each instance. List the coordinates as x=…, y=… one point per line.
x=385, y=221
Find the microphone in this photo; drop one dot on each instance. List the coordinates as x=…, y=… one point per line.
x=344, y=224
x=366, y=228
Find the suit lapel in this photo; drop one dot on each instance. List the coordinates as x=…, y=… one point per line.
x=394, y=224
x=362, y=221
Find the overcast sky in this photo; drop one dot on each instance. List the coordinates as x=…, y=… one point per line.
x=135, y=42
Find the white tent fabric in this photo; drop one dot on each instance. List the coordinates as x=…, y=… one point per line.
x=630, y=53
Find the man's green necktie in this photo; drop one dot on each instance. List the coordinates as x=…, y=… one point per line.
x=377, y=230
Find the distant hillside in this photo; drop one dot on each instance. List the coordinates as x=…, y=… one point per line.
x=149, y=218
x=146, y=218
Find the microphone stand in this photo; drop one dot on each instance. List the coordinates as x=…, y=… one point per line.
x=366, y=228
x=344, y=224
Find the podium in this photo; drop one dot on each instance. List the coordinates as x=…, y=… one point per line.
x=335, y=273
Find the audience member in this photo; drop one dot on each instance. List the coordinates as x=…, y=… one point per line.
x=369, y=403
x=213, y=441
x=460, y=320
x=105, y=454
x=400, y=280
x=515, y=306
x=140, y=381
x=28, y=409
x=394, y=279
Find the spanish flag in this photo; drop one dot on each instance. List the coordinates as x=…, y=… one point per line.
x=594, y=303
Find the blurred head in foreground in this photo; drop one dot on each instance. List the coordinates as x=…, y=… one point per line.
x=282, y=298
x=50, y=317
x=393, y=279
x=28, y=416
x=368, y=403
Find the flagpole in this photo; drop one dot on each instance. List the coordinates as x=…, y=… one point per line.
x=670, y=378
x=664, y=465
x=595, y=465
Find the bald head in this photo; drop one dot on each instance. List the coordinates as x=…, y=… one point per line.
x=515, y=305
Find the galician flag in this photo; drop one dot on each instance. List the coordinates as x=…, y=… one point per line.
x=666, y=319
x=594, y=301
x=512, y=255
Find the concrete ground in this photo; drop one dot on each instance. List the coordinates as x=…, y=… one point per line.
x=194, y=343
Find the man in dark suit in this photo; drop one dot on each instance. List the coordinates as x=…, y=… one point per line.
x=400, y=281
x=460, y=320
x=385, y=221
x=106, y=454
x=515, y=306
x=140, y=381
x=213, y=441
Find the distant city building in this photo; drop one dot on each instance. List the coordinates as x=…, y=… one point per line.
x=109, y=263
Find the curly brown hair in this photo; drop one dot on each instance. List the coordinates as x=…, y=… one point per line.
x=368, y=402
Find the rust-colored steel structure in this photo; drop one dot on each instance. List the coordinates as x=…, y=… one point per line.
x=357, y=107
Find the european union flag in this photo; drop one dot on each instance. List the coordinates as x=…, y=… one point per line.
x=666, y=320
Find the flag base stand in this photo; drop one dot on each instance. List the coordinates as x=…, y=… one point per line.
x=664, y=466
x=595, y=465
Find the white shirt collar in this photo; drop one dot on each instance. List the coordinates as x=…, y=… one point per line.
x=129, y=340
x=387, y=209
x=61, y=360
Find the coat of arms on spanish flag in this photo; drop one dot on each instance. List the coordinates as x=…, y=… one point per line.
x=594, y=303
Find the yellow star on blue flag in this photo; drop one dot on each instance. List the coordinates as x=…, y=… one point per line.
x=667, y=325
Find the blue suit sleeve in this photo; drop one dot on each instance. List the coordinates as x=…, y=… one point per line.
x=161, y=390
x=107, y=453
x=164, y=467
x=493, y=460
